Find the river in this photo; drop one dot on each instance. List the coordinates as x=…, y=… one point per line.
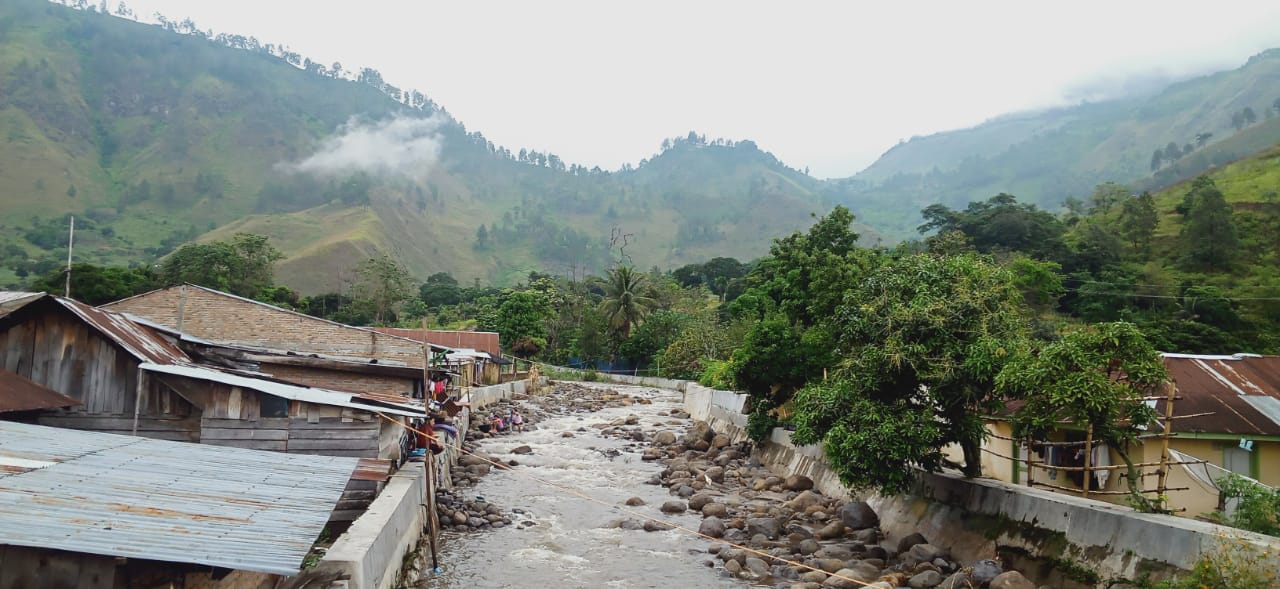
x=570, y=544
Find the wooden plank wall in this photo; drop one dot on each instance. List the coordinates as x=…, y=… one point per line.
x=68, y=356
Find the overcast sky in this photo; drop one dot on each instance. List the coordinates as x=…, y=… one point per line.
x=824, y=85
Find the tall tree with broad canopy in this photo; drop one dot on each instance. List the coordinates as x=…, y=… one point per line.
x=242, y=265
x=1094, y=376
x=923, y=338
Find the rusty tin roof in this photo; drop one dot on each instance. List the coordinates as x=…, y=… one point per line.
x=19, y=393
x=1241, y=391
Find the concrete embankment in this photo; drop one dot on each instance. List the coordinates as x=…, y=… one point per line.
x=371, y=554
x=1050, y=535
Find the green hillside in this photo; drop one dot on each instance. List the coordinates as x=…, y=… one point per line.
x=1045, y=157
x=152, y=138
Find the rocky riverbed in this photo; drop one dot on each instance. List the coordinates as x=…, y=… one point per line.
x=639, y=451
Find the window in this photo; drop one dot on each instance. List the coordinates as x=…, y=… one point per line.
x=273, y=406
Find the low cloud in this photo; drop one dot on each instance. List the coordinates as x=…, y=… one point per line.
x=403, y=146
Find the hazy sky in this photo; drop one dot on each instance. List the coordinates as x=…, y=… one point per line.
x=825, y=85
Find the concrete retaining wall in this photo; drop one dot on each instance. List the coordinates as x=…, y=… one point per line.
x=974, y=518
x=481, y=397
x=372, y=550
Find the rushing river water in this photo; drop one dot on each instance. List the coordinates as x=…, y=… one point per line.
x=571, y=544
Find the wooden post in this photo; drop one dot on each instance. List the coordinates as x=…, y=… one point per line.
x=1088, y=458
x=137, y=399
x=433, y=526
x=1162, y=480
x=1031, y=465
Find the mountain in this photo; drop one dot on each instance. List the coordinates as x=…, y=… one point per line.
x=153, y=138
x=1046, y=156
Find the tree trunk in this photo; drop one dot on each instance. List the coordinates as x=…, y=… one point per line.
x=1134, y=481
x=972, y=458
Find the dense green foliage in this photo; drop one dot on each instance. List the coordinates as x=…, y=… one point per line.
x=242, y=265
x=1093, y=377
x=1258, y=507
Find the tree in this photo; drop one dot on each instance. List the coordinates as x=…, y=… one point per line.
x=1107, y=195
x=440, y=289
x=1157, y=158
x=1249, y=116
x=1203, y=138
x=1237, y=120
x=97, y=285
x=1172, y=152
x=1139, y=220
x=1096, y=376
x=923, y=338
x=482, y=237
x=1208, y=238
x=1000, y=224
x=382, y=284
x=625, y=301
x=521, y=322
x=241, y=266
x=807, y=274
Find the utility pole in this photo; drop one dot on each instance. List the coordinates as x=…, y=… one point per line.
x=71, y=239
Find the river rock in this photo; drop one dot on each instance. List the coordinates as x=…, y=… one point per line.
x=715, y=510
x=985, y=571
x=566, y=434
x=715, y=473
x=857, y=515
x=832, y=530
x=712, y=526
x=719, y=441
x=767, y=526
x=816, y=577
x=924, y=553
x=700, y=445
x=469, y=460
x=656, y=526
x=910, y=540
x=809, y=546
x=732, y=566
x=925, y=580
x=757, y=566
x=841, y=579
x=674, y=507
x=867, y=536
x=804, y=501
x=699, y=500
x=635, y=502
x=836, y=551
x=459, y=517
x=959, y=580
x=664, y=438
x=1011, y=580
x=797, y=482
x=876, y=552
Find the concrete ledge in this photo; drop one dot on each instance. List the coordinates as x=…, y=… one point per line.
x=974, y=517
x=372, y=550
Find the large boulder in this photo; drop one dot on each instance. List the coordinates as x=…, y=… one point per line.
x=924, y=553
x=719, y=441
x=831, y=531
x=857, y=515
x=804, y=501
x=712, y=526
x=715, y=510
x=664, y=438
x=767, y=526
x=907, y=542
x=1011, y=580
x=674, y=507
x=715, y=473
x=925, y=580
x=797, y=482
x=984, y=571
x=700, y=499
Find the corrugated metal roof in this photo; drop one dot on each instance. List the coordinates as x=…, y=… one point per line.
x=166, y=501
x=19, y=393
x=9, y=296
x=142, y=342
x=289, y=391
x=1241, y=391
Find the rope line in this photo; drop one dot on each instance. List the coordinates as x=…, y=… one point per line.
x=638, y=514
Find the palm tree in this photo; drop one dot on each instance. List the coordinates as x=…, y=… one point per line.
x=625, y=304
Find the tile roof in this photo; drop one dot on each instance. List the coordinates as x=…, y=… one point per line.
x=166, y=501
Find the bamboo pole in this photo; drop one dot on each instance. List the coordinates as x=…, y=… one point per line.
x=1095, y=468
x=1088, y=458
x=433, y=527
x=1163, y=479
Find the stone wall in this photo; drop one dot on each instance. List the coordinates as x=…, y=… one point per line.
x=980, y=518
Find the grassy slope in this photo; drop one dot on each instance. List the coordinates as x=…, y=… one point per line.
x=106, y=104
x=1045, y=157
